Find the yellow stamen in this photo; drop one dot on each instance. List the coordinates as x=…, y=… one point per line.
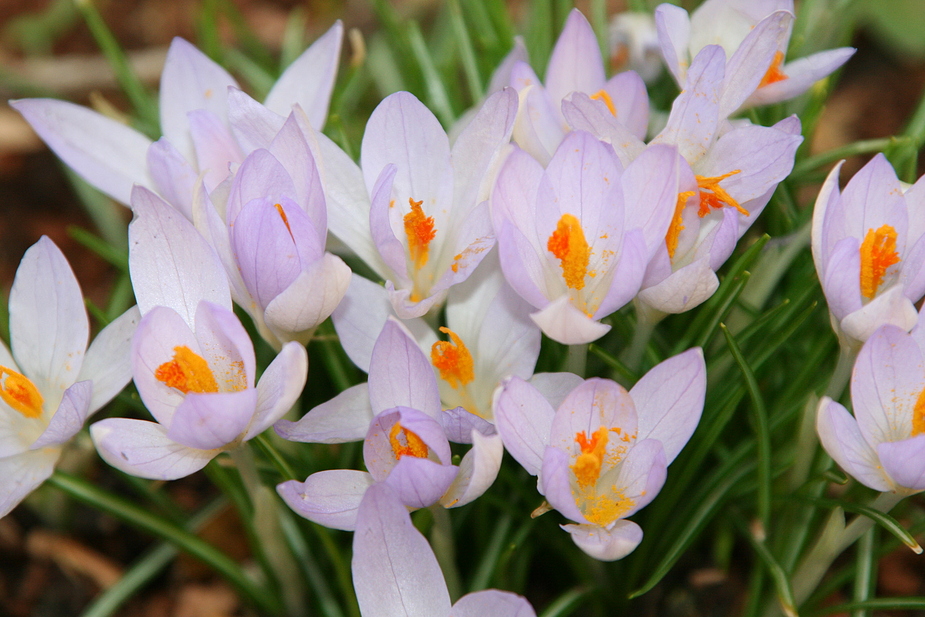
x=406, y=443
x=282, y=215
x=918, y=415
x=712, y=195
x=601, y=95
x=677, y=223
x=568, y=244
x=587, y=467
x=603, y=509
x=187, y=372
x=878, y=253
x=453, y=360
x=774, y=73
x=420, y=231
x=20, y=393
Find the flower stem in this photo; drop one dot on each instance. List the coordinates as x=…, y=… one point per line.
x=141, y=518
x=577, y=359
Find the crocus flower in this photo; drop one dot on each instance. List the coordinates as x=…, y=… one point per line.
x=603, y=454
x=428, y=223
x=399, y=416
x=396, y=573
x=192, y=361
x=489, y=335
x=195, y=118
x=883, y=444
x=575, y=238
x=869, y=250
x=272, y=236
x=51, y=382
x=574, y=66
x=754, y=37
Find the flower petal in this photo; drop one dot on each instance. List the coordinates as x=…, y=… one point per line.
x=477, y=471
x=904, y=461
x=606, y=544
x=107, y=154
x=21, y=474
x=492, y=603
x=400, y=374
x=142, y=449
x=394, y=569
x=212, y=420
x=309, y=80
x=48, y=321
x=330, y=498
x=69, y=417
x=279, y=387
x=345, y=417
x=840, y=436
x=564, y=323
x=523, y=419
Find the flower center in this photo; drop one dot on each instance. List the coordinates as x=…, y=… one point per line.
x=20, y=393
x=677, y=223
x=406, y=443
x=420, y=231
x=453, y=360
x=712, y=195
x=587, y=466
x=187, y=372
x=774, y=73
x=878, y=253
x=601, y=95
x=569, y=246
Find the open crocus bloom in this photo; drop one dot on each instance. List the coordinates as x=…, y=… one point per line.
x=405, y=431
x=602, y=455
x=396, y=573
x=575, y=238
x=51, y=382
x=869, y=250
x=194, y=115
x=428, y=223
x=883, y=444
x=575, y=66
x=192, y=360
x=754, y=36
x=270, y=231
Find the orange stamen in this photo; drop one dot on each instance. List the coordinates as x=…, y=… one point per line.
x=677, y=223
x=420, y=231
x=918, y=415
x=712, y=195
x=406, y=443
x=878, y=253
x=587, y=467
x=187, y=372
x=774, y=73
x=282, y=215
x=453, y=360
x=569, y=246
x=601, y=95
x=20, y=393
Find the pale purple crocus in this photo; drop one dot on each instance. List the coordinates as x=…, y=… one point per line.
x=406, y=437
x=271, y=238
x=869, y=250
x=395, y=572
x=754, y=37
x=424, y=225
x=603, y=454
x=575, y=66
x=883, y=444
x=199, y=118
x=192, y=361
x=488, y=335
x=575, y=238
x=51, y=382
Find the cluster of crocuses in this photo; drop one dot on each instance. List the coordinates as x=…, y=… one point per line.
x=235, y=203
x=868, y=243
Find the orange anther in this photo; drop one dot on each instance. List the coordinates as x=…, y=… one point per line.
x=420, y=231
x=569, y=246
x=406, y=443
x=677, y=223
x=20, y=393
x=878, y=253
x=712, y=195
x=774, y=73
x=453, y=360
x=587, y=467
x=187, y=372
x=601, y=95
